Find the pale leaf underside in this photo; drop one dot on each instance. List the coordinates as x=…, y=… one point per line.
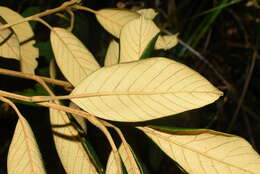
x=144, y=90
x=148, y=13
x=72, y=57
x=24, y=156
x=166, y=42
x=24, y=33
x=112, y=55
x=208, y=153
x=9, y=44
x=70, y=150
x=135, y=37
x=127, y=158
x=114, y=19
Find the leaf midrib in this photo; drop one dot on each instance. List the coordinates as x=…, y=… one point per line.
x=69, y=50
x=117, y=93
x=110, y=93
x=193, y=150
x=27, y=140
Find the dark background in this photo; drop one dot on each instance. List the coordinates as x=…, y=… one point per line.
x=226, y=37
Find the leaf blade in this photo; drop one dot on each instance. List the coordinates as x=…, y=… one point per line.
x=144, y=90
x=114, y=19
x=166, y=42
x=9, y=44
x=24, y=155
x=71, y=152
x=148, y=13
x=72, y=57
x=210, y=152
x=24, y=32
x=127, y=158
x=134, y=38
x=112, y=55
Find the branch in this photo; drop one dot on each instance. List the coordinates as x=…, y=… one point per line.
x=62, y=7
x=59, y=107
x=65, y=84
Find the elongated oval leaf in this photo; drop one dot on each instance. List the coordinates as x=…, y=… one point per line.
x=148, y=13
x=127, y=158
x=24, y=156
x=9, y=44
x=114, y=19
x=135, y=38
x=112, y=56
x=71, y=152
x=166, y=42
x=208, y=152
x=72, y=57
x=144, y=90
x=24, y=33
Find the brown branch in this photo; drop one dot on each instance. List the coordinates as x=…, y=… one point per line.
x=65, y=84
x=9, y=102
x=59, y=107
x=64, y=6
x=79, y=7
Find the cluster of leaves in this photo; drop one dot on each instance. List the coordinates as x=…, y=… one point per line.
x=131, y=87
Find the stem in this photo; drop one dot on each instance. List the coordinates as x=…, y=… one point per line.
x=124, y=142
x=9, y=102
x=45, y=13
x=65, y=84
x=79, y=7
x=86, y=115
x=119, y=132
x=72, y=19
x=15, y=96
x=43, y=22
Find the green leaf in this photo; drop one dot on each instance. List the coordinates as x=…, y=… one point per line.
x=150, y=47
x=92, y=154
x=45, y=49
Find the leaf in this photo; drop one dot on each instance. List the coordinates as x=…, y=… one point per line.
x=166, y=42
x=23, y=156
x=114, y=19
x=71, y=152
x=112, y=56
x=135, y=37
x=81, y=120
x=207, y=152
x=148, y=13
x=72, y=57
x=45, y=49
x=149, y=48
x=9, y=44
x=24, y=34
x=127, y=158
x=143, y=90
x=93, y=155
